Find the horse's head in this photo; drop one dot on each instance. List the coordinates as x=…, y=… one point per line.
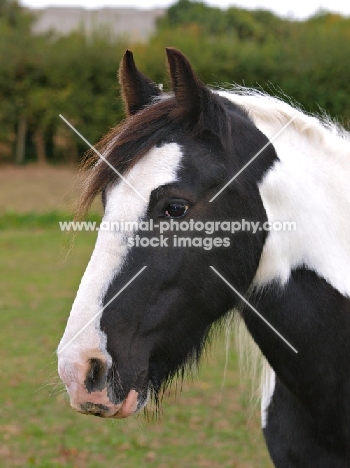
x=130, y=330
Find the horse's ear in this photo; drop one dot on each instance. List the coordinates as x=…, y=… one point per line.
x=137, y=90
x=190, y=92
x=203, y=108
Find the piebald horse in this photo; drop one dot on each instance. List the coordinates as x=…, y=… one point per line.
x=146, y=304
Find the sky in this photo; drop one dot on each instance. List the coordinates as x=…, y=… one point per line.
x=293, y=9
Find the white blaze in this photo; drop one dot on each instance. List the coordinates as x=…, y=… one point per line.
x=157, y=168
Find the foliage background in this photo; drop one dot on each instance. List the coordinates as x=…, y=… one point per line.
x=42, y=76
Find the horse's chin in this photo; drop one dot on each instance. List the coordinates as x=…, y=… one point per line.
x=132, y=404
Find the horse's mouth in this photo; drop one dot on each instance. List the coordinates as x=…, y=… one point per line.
x=104, y=408
x=131, y=405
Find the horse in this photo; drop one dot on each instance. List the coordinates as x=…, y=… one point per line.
x=187, y=165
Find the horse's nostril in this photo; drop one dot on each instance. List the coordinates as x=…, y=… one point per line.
x=96, y=376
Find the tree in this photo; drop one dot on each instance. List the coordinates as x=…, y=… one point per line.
x=15, y=46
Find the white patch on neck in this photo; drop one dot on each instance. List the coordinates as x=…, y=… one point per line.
x=268, y=388
x=158, y=167
x=313, y=191
x=310, y=185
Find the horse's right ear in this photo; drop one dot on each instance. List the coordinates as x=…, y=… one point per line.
x=137, y=90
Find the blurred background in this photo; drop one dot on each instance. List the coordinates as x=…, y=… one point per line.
x=64, y=60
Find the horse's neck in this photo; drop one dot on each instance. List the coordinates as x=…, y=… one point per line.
x=309, y=185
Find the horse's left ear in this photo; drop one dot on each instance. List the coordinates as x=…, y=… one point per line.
x=137, y=90
x=190, y=93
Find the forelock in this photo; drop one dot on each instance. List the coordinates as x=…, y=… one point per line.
x=128, y=142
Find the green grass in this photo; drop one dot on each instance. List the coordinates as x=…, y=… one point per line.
x=30, y=220
x=204, y=426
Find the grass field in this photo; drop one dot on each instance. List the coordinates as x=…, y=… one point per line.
x=207, y=425
x=39, y=189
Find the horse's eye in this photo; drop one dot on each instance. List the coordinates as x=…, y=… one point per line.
x=175, y=210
